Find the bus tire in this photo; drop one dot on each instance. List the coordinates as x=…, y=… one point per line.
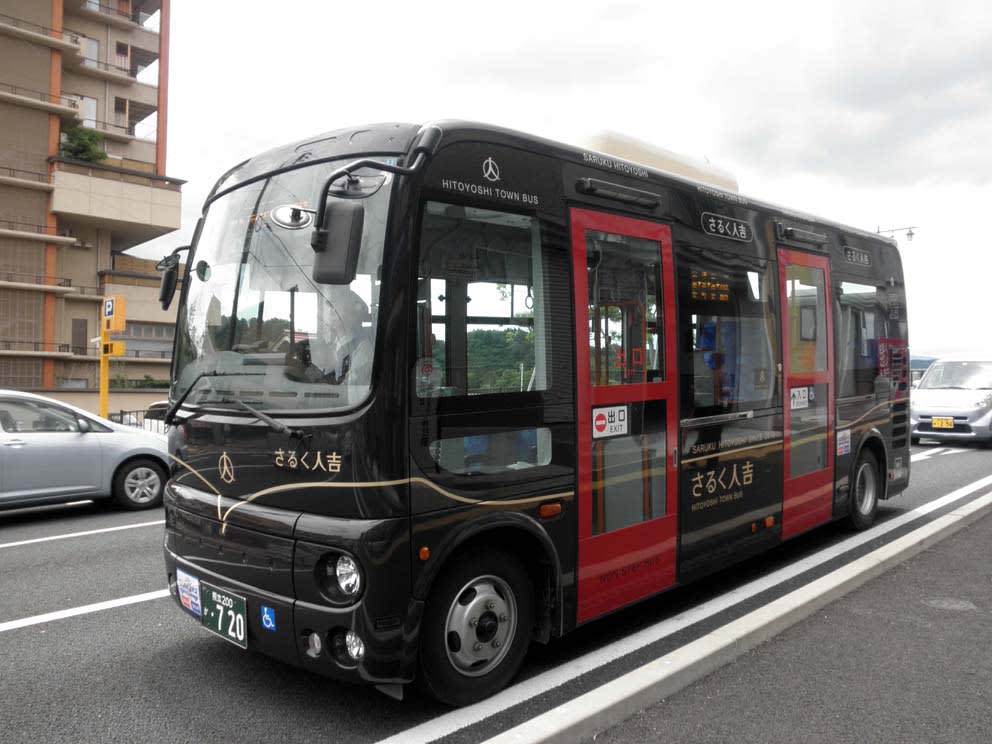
x=477, y=627
x=865, y=490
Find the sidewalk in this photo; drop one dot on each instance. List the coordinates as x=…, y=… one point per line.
x=905, y=658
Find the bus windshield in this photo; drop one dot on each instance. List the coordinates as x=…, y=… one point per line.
x=254, y=313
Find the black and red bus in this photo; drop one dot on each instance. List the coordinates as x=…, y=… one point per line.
x=443, y=391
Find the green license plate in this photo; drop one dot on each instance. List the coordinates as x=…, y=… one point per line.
x=225, y=614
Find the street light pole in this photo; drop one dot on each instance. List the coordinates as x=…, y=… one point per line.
x=893, y=230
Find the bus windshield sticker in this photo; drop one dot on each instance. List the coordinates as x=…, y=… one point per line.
x=800, y=398
x=844, y=442
x=609, y=422
x=726, y=227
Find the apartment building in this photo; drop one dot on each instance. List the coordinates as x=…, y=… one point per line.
x=66, y=215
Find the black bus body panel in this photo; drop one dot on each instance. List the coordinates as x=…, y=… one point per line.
x=387, y=440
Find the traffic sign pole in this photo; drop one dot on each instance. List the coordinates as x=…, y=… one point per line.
x=104, y=367
x=112, y=320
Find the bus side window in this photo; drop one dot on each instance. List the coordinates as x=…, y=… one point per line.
x=859, y=333
x=481, y=310
x=729, y=354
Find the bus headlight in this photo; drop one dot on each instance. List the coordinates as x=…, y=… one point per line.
x=349, y=577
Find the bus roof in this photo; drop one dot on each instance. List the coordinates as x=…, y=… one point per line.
x=397, y=138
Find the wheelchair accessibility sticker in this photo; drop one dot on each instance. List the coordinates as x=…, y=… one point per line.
x=269, y=619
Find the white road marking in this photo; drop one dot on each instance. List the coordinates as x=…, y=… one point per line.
x=924, y=455
x=455, y=720
x=81, y=534
x=585, y=716
x=83, y=610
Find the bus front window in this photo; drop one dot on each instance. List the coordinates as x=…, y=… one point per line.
x=252, y=305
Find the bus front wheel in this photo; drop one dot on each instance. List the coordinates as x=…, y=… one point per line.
x=864, y=492
x=477, y=627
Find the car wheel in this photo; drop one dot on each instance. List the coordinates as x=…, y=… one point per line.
x=138, y=484
x=477, y=627
x=864, y=492
x=914, y=440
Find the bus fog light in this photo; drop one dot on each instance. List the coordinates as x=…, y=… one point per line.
x=349, y=578
x=314, y=645
x=355, y=645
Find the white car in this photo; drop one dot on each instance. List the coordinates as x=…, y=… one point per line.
x=51, y=451
x=953, y=400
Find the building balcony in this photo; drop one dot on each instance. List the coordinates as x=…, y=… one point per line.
x=16, y=347
x=135, y=14
x=121, y=132
x=65, y=106
x=99, y=68
x=136, y=206
x=58, y=285
x=66, y=41
x=24, y=179
x=30, y=231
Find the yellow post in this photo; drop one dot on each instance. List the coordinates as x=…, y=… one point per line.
x=111, y=321
x=104, y=366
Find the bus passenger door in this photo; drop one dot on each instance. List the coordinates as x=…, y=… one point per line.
x=807, y=349
x=627, y=419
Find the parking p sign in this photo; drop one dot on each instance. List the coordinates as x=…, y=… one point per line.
x=114, y=314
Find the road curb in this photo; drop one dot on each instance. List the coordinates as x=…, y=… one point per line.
x=651, y=683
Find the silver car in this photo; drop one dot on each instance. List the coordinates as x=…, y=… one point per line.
x=51, y=451
x=953, y=400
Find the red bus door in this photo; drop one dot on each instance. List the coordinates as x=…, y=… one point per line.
x=807, y=349
x=627, y=417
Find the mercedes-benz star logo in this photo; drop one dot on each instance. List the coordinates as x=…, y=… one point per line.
x=225, y=468
x=490, y=170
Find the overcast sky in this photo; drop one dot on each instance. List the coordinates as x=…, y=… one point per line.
x=875, y=116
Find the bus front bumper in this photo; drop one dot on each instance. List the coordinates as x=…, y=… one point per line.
x=277, y=576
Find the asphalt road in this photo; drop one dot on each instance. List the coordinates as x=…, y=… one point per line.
x=147, y=672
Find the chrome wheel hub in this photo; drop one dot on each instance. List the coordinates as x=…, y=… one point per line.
x=481, y=625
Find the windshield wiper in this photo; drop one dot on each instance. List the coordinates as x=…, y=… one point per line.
x=170, y=415
x=266, y=419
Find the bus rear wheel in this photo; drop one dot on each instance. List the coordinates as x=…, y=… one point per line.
x=476, y=628
x=864, y=492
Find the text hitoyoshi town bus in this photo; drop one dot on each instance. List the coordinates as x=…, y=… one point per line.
x=443, y=391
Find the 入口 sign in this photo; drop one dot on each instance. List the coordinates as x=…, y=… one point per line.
x=609, y=422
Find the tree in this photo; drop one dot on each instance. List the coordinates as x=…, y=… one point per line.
x=83, y=144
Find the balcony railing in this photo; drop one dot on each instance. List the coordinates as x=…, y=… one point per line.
x=71, y=37
x=26, y=278
x=71, y=165
x=23, y=277
x=24, y=175
x=106, y=66
x=27, y=227
x=120, y=129
x=38, y=95
x=93, y=351
x=12, y=344
x=137, y=16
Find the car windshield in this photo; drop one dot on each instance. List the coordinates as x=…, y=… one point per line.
x=255, y=325
x=959, y=375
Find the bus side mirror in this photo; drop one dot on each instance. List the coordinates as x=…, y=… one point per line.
x=336, y=242
x=169, y=266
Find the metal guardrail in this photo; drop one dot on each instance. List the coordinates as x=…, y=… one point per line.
x=106, y=126
x=25, y=278
x=141, y=419
x=107, y=66
x=72, y=37
x=38, y=95
x=24, y=175
x=28, y=227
